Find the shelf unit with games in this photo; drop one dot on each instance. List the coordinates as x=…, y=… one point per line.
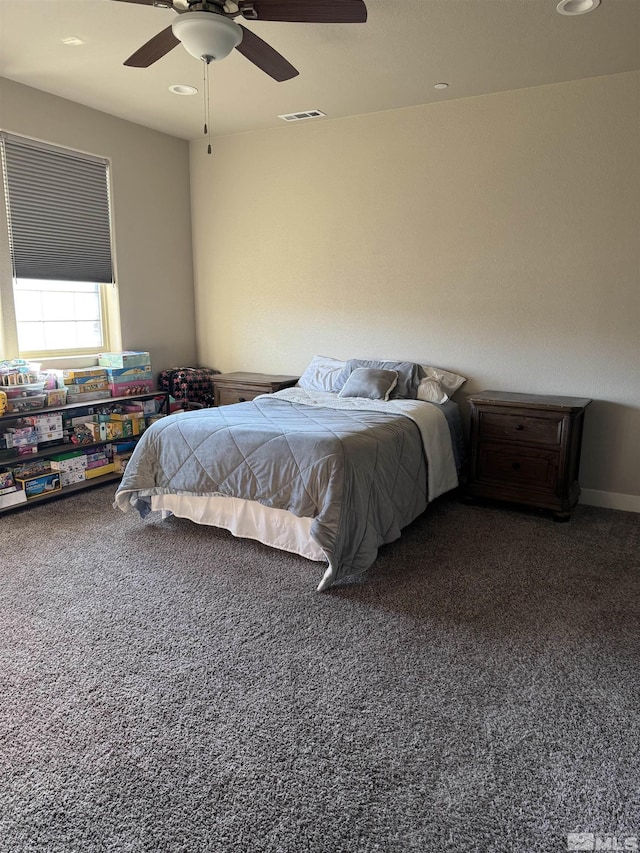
x=10, y=457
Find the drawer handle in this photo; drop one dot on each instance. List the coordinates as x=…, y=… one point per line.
x=519, y=427
x=515, y=466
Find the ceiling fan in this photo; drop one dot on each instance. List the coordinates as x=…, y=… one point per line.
x=207, y=30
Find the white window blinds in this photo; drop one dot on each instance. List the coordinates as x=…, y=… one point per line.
x=58, y=212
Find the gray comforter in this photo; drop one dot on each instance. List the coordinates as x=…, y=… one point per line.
x=360, y=475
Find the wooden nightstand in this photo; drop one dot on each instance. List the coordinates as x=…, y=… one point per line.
x=525, y=448
x=240, y=387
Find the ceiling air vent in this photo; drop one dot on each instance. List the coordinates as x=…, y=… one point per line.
x=302, y=116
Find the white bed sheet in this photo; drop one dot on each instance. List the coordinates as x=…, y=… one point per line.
x=277, y=528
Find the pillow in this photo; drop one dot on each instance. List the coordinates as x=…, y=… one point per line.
x=431, y=391
x=450, y=382
x=370, y=382
x=409, y=374
x=324, y=374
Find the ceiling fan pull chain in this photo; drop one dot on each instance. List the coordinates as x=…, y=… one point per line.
x=204, y=92
x=207, y=105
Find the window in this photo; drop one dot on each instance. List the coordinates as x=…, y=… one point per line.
x=56, y=292
x=58, y=315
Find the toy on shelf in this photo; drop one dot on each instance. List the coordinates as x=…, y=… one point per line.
x=17, y=371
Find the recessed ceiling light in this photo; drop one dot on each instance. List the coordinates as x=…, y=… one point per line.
x=181, y=89
x=576, y=7
x=440, y=85
x=72, y=40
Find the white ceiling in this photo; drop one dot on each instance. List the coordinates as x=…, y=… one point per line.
x=392, y=61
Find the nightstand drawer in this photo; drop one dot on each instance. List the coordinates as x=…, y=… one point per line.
x=526, y=428
x=523, y=467
x=227, y=396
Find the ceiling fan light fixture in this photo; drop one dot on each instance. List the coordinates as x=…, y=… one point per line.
x=183, y=89
x=207, y=35
x=576, y=7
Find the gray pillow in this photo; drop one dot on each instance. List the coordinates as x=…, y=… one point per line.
x=409, y=374
x=370, y=382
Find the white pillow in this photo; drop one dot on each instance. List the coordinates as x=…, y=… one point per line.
x=324, y=374
x=450, y=382
x=431, y=391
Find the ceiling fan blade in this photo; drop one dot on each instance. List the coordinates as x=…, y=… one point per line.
x=153, y=50
x=265, y=57
x=305, y=11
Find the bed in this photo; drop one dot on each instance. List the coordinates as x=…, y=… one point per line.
x=330, y=469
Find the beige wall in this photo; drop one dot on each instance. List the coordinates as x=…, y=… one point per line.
x=494, y=236
x=152, y=217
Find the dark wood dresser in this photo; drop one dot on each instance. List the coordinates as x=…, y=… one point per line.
x=240, y=387
x=525, y=448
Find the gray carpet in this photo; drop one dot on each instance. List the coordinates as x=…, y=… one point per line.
x=166, y=687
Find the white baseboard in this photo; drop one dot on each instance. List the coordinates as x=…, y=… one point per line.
x=610, y=500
